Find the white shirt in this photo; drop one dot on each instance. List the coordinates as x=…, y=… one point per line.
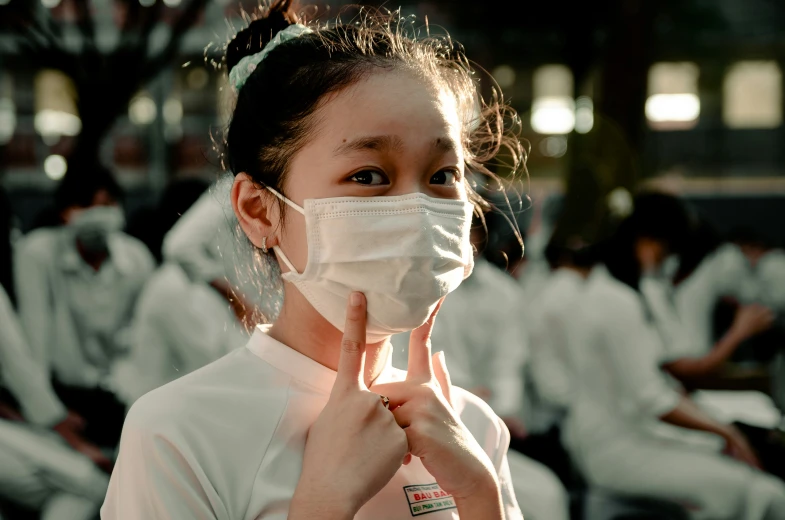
x=73, y=316
x=479, y=328
x=549, y=322
x=226, y=442
x=770, y=272
x=24, y=377
x=725, y=272
x=620, y=388
x=179, y=326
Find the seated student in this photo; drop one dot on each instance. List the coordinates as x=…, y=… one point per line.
x=682, y=306
x=649, y=249
x=180, y=325
x=548, y=320
x=38, y=469
x=76, y=288
x=26, y=392
x=619, y=428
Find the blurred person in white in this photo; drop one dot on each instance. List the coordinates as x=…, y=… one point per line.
x=204, y=243
x=77, y=285
x=661, y=234
x=682, y=298
x=548, y=321
x=629, y=428
x=38, y=469
x=180, y=325
x=349, y=144
x=480, y=331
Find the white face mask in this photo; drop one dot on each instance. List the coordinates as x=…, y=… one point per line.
x=670, y=267
x=93, y=226
x=404, y=253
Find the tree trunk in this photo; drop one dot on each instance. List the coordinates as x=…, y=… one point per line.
x=609, y=156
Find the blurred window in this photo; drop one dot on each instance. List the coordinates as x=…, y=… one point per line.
x=55, y=106
x=553, y=107
x=673, y=102
x=752, y=95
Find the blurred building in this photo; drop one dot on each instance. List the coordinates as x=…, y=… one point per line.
x=712, y=107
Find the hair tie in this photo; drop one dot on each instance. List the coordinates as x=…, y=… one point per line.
x=242, y=71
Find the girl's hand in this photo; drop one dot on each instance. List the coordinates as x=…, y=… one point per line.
x=355, y=446
x=738, y=447
x=422, y=406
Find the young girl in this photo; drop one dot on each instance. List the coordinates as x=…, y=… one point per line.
x=349, y=145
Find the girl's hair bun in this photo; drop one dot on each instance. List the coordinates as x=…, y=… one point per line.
x=260, y=31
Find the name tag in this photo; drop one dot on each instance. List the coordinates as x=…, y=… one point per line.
x=427, y=498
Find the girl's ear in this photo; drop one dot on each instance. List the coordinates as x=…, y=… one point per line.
x=256, y=209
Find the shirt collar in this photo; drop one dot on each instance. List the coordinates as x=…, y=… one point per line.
x=300, y=366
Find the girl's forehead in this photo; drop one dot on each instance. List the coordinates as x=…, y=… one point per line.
x=392, y=102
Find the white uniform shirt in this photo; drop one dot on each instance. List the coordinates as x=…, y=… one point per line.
x=770, y=272
x=725, y=272
x=22, y=375
x=226, y=442
x=72, y=315
x=549, y=322
x=179, y=326
x=620, y=388
x=479, y=328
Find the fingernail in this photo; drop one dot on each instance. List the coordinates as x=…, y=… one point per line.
x=355, y=300
x=441, y=358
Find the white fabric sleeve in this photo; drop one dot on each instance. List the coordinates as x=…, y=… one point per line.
x=193, y=241
x=154, y=479
x=771, y=273
x=677, y=339
x=185, y=330
x=509, y=503
x=632, y=351
x=509, y=354
x=25, y=378
x=34, y=299
x=550, y=364
x=730, y=273
x=494, y=438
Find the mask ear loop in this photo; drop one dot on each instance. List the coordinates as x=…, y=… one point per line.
x=287, y=201
x=277, y=249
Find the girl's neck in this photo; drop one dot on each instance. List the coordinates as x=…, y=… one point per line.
x=300, y=327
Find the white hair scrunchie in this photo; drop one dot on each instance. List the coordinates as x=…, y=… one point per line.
x=242, y=71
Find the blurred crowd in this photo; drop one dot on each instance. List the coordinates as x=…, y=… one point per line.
x=641, y=374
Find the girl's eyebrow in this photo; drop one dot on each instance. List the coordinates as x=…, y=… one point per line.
x=390, y=143
x=382, y=143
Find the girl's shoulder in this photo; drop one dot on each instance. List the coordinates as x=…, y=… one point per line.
x=216, y=406
x=486, y=427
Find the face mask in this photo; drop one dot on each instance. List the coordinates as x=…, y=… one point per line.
x=404, y=253
x=670, y=266
x=93, y=226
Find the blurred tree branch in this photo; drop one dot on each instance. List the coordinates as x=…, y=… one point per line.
x=105, y=80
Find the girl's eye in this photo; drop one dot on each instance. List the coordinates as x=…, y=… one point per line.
x=445, y=177
x=370, y=178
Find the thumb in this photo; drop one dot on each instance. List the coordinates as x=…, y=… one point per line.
x=442, y=375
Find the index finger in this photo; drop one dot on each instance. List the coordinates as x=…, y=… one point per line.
x=351, y=364
x=420, y=365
